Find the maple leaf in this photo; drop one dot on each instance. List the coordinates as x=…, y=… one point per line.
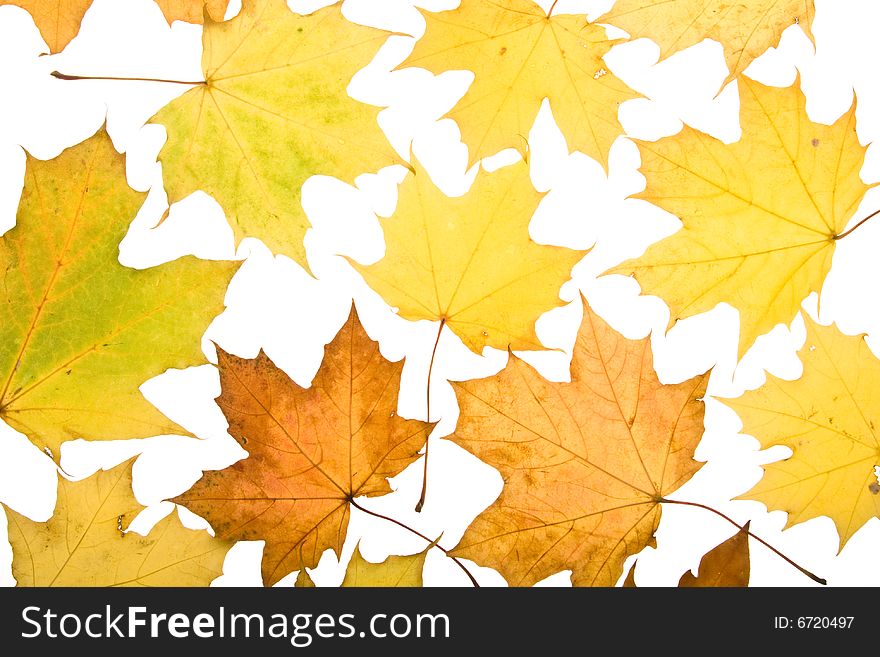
x=585, y=464
x=726, y=565
x=760, y=216
x=59, y=20
x=828, y=419
x=394, y=572
x=469, y=262
x=519, y=56
x=87, y=542
x=744, y=29
x=78, y=331
x=273, y=112
x=311, y=450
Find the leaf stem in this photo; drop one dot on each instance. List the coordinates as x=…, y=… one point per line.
x=420, y=535
x=64, y=76
x=421, y=501
x=842, y=235
x=806, y=572
x=552, y=7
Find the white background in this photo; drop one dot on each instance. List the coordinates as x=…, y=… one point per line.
x=272, y=303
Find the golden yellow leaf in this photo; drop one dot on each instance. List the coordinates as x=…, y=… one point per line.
x=79, y=333
x=727, y=564
x=59, y=20
x=760, y=216
x=304, y=580
x=87, y=542
x=520, y=56
x=311, y=450
x=192, y=11
x=828, y=419
x=585, y=464
x=395, y=571
x=745, y=29
x=469, y=260
x=273, y=112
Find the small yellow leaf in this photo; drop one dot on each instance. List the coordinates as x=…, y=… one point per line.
x=59, y=20
x=520, y=56
x=395, y=571
x=86, y=542
x=760, y=216
x=469, y=260
x=746, y=29
x=828, y=418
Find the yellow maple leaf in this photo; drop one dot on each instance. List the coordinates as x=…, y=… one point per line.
x=79, y=333
x=59, y=20
x=745, y=29
x=828, y=418
x=469, y=261
x=273, y=112
x=519, y=56
x=760, y=216
x=86, y=541
x=395, y=571
x=311, y=450
x=585, y=464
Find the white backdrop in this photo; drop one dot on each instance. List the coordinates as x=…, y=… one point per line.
x=272, y=303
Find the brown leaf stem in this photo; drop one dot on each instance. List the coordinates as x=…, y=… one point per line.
x=420, y=535
x=806, y=572
x=421, y=501
x=64, y=76
x=844, y=234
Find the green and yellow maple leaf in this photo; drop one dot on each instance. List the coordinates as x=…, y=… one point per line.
x=272, y=112
x=79, y=333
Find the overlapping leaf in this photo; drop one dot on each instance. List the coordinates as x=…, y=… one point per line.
x=520, y=56
x=272, y=112
x=727, y=565
x=585, y=464
x=87, y=542
x=469, y=260
x=828, y=418
x=311, y=450
x=746, y=29
x=79, y=333
x=760, y=216
x=59, y=20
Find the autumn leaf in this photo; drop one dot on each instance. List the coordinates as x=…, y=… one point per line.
x=87, y=542
x=311, y=450
x=304, y=580
x=469, y=260
x=519, y=56
x=59, y=20
x=827, y=418
x=585, y=464
x=272, y=112
x=725, y=565
x=78, y=331
x=395, y=571
x=760, y=216
x=745, y=29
